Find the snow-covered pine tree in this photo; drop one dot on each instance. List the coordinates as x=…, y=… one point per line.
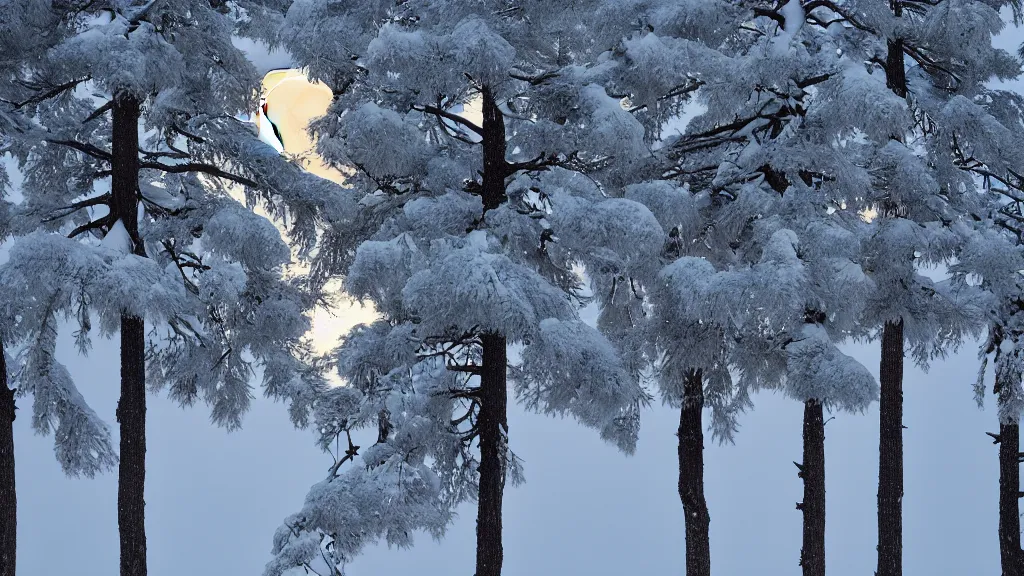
x=8, y=492
x=749, y=237
x=81, y=439
x=468, y=245
x=819, y=124
x=986, y=143
x=132, y=144
x=933, y=58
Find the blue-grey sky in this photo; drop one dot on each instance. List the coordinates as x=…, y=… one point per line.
x=214, y=499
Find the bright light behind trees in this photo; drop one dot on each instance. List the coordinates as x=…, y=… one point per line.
x=291, y=102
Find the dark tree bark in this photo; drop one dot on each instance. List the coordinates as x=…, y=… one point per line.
x=493, y=429
x=496, y=167
x=8, y=495
x=1010, y=553
x=890, y=453
x=131, y=408
x=691, y=477
x=890, y=439
x=492, y=424
x=812, y=556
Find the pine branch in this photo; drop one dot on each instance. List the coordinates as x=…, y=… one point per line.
x=107, y=220
x=533, y=80
x=52, y=93
x=200, y=168
x=84, y=148
x=99, y=112
x=449, y=116
x=68, y=210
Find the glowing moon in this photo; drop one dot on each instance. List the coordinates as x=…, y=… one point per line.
x=292, y=101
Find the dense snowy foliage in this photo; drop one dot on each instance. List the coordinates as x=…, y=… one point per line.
x=232, y=307
x=735, y=188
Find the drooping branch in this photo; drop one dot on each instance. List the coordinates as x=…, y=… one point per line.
x=105, y=221
x=84, y=148
x=450, y=116
x=99, y=112
x=72, y=208
x=533, y=80
x=200, y=168
x=351, y=452
x=51, y=93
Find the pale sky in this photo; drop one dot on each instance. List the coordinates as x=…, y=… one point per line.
x=214, y=499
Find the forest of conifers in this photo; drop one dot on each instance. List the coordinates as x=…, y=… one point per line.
x=734, y=189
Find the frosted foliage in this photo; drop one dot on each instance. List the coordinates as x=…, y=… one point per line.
x=479, y=52
x=656, y=65
x=612, y=129
x=612, y=237
x=137, y=60
x=211, y=287
x=416, y=240
x=136, y=286
x=368, y=353
x=968, y=44
x=380, y=271
x=398, y=55
x=674, y=207
x=388, y=501
x=448, y=215
x=379, y=141
x=817, y=370
x=70, y=274
x=468, y=288
x=406, y=482
x=81, y=439
x=857, y=100
x=239, y=234
x=570, y=368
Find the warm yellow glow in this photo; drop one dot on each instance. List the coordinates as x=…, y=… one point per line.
x=292, y=102
x=868, y=214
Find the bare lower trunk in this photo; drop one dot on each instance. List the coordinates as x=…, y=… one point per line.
x=1011, y=556
x=8, y=495
x=812, y=556
x=691, y=477
x=131, y=409
x=890, y=453
x=890, y=441
x=492, y=425
x=493, y=429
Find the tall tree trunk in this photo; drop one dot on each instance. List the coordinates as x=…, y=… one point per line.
x=691, y=477
x=131, y=408
x=493, y=429
x=812, y=556
x=1010, y=554
x=8, y=495
x=890, y=439
x=890, y=453
x=491, y=421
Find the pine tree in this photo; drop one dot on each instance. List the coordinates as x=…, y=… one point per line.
x=132, y=140
x=989, y=147
x=476, y=235
x=8, y=494
x=747, y=234
x=820, y=128
x=934, y=58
